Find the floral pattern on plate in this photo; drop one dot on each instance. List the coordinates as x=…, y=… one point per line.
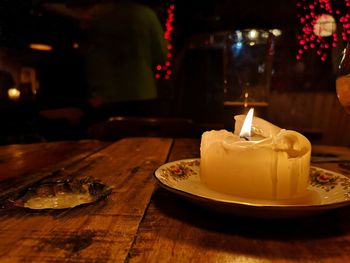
x=180, y=170
x=327, y=180
x=323, y=179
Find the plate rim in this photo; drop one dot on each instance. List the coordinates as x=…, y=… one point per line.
x=233, y=203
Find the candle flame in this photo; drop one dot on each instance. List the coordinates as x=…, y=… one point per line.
x=247, y=124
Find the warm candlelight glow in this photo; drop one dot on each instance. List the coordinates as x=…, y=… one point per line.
x=41, y=47
x=75, y=45
x=14, y=94
x=270, y=164
x=247, y=125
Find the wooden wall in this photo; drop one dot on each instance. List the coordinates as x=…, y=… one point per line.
x=316, y=114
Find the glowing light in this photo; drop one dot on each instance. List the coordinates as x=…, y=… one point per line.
x=41, y=47
x=276, y=32
x=75, y=45
x=322, y=21
x=163, y=70
x=325, y=25
x=13, y=94
x=237, y=45
x=265, y=34
x=239, y=35
x=253, y=34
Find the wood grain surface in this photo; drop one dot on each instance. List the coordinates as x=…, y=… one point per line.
x=101, y=232
x=140, y=222
x=21, y=165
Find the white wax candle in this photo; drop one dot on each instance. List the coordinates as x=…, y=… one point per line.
x=275, y=166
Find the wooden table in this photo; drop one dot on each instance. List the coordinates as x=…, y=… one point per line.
x=140, y=222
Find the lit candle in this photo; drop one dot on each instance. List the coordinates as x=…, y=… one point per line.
x=273, y=164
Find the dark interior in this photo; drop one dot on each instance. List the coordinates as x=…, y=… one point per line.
x=190, y=101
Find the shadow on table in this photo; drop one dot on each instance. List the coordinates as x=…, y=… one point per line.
x=332, y=223
x=242, y=235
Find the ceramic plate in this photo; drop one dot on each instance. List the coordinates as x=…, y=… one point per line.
x=182, y=177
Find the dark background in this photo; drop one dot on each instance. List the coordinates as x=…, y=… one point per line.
x=195, y=90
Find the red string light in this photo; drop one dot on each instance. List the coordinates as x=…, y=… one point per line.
x=163, y=70
x=318, y=20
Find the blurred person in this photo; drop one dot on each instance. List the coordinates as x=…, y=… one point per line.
x=121, y=45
